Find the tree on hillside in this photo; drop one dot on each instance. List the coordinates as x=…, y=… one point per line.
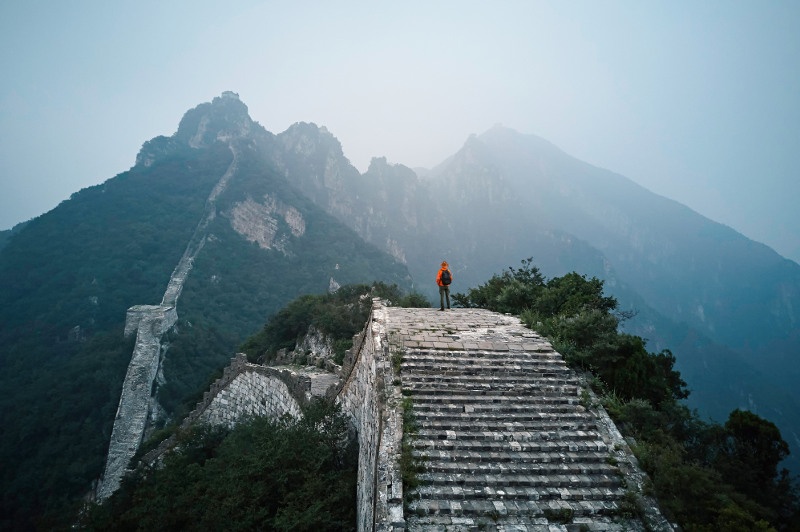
x=751, y=448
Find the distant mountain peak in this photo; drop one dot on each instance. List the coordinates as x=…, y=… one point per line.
x=307, y=138
x=380, y=164
x=502, y=136
x=225, y=118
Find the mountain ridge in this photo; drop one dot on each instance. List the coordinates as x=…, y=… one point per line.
x=69, y=276
x=491, y=209
x=297, y=217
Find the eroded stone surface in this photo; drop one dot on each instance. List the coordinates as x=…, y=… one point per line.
x=506, y=431
x=260, y=222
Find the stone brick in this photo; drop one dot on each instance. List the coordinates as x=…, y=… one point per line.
x=500, y=426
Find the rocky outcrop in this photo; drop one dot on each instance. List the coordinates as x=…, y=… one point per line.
x=267, y=223
x=315, y=345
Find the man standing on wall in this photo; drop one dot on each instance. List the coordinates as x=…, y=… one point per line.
x=443, y=279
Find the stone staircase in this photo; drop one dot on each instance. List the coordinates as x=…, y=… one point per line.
x=504, y=432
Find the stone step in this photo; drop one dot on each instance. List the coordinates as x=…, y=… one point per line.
x=564, y=417
x=484, y=369
x=520, y=436
x=436, y=374
x=501, y=445
x=479, y=480
x=444, y=339
x=494, y=371
x=591, y=470
x=524, y=521
x=483, y=389
x=468, y=425
x=553, y=360
x=431, y=411
x=489, y=402
x=477, y=368
x=540, y=494
x=517, y=506
x=483, y=365
x=447, y=326
x=587, y=458
x=499, y=357
x=493, y=381
x=479, y=371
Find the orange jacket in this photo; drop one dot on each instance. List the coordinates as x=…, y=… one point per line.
x=439, y=274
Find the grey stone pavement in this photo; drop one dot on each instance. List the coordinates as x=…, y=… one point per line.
x=506, y=433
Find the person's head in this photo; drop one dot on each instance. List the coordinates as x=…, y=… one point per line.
x=444, y=264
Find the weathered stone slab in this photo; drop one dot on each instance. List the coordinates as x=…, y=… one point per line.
x=502, y=432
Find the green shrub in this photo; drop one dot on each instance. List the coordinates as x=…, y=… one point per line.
x=410, y=466
x=338, y=316
x=263, y=475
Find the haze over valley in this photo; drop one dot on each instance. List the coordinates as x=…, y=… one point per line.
x=696, y=102
x=194, y=168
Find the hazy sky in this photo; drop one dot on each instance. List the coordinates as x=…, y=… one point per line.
x=698, y=101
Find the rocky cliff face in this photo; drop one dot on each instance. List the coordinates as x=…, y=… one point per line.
x=312, y=159
x=268, y=224
x=387, y=206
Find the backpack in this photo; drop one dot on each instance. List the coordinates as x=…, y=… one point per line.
x=446, y=277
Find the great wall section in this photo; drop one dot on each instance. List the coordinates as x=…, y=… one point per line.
x=150, y=322
x=509, y=436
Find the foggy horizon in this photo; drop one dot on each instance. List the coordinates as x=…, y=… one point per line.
x=697, y=103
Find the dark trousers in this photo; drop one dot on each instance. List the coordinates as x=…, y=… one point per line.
x=444, y=292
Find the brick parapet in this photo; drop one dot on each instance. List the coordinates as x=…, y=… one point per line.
x=245, y=389
x=297, y=386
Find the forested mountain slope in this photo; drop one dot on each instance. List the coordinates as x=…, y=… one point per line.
x=68, y=277
x=292, y=217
